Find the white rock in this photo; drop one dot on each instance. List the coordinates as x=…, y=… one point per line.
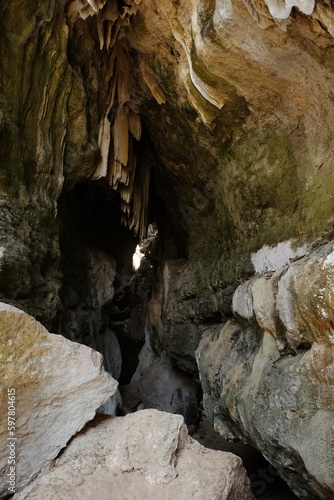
x=273, y=258
x=242, y=302
x=329, y=261
x=58, y=387
x=281, y=9
x=145, y=455
x=7, y=307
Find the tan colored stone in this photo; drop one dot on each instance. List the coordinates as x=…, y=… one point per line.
x=148, y=454
x=263, y=293
x=58, y=387
x=305, y=299
x=284, y=405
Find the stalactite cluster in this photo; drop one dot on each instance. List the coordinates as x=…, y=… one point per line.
x=120, y=127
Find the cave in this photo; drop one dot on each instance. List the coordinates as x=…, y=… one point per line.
x=105, y=299
x=166, y=249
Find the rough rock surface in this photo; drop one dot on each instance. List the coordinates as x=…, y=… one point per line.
x=181, y=302
x=268, y=377
x=148, y=454
x=58, y=385
x=94, y=268
x=221, y=112
x=164, y=388
x=239, y=84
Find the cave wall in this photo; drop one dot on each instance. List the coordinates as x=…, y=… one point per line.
x=267, y=373
x=244, y=107
x=243, y=147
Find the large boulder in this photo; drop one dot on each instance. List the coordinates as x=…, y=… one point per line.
x=50, y=388
x=147, y=454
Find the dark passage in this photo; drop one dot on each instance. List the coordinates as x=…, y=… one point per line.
x=105, y=306
x=265, y=481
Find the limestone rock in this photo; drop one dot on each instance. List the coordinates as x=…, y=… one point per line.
x=164, y=388
x=268, y=377
x=112, y=405
x=129, y=309
x=148, y=455
x=296, y=300
x=146, y=358
x=107, y=344
x=177, y=308
x=58, y=387
x=237, y=100
x=85, y=293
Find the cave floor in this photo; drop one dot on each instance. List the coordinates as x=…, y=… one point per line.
x=266, y=484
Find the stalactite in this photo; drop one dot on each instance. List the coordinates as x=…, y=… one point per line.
x=139, y=195
x=100, y=34
x=108, y=32
x=135, y=125
x=120, y=125
x=152, y=83
x=127, y=188
x=121, y=135
x=88, y=8
x=126, y=128
x=123, y=74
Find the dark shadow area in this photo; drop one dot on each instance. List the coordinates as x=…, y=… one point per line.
x=265, y=482
x=96, y=263
x=130, y=350
x=104, y=300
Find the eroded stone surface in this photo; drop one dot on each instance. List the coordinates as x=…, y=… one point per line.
x=298, y=299
x=268, y=378
x=58, y=385
x=236, y=97
x=148, y=454
x=165, y=388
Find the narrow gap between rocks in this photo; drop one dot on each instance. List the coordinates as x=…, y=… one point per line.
x=107, y=305
x=265, y=482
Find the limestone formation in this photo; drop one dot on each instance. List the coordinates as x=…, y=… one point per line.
x=165, y=388
x=268, y=377
x=214, y=121
x=177, y=310
x=148, y=454
x=58, y=386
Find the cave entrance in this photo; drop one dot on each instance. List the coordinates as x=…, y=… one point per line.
x=105, y=307
x=128, y=310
